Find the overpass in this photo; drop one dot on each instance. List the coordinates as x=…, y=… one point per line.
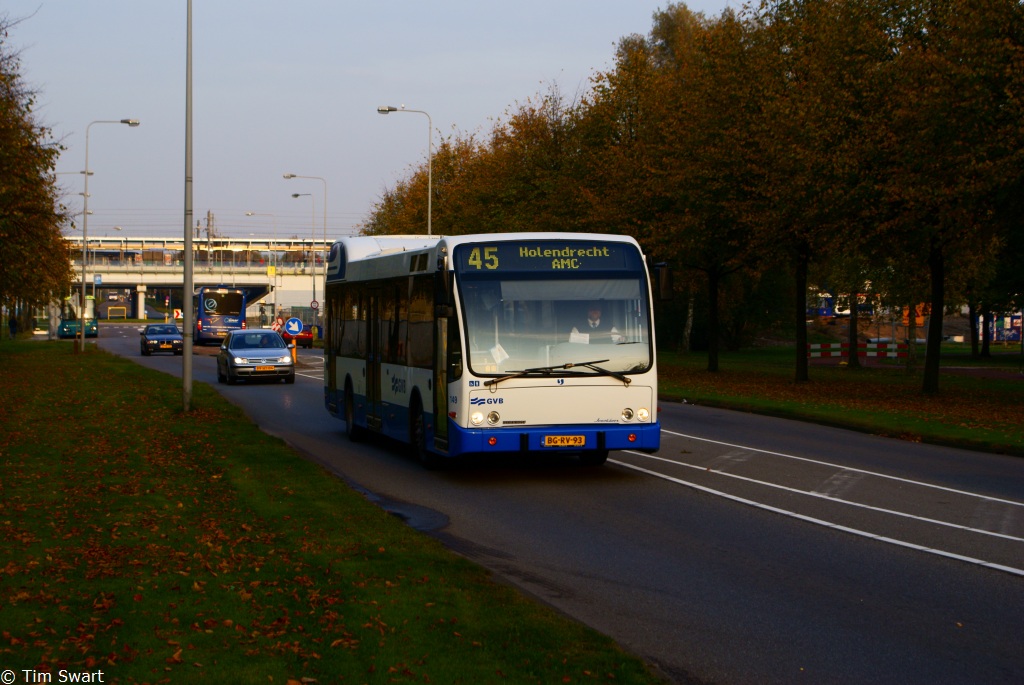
x=282, y=272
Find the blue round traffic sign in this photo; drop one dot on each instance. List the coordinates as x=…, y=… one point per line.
x=293, y=326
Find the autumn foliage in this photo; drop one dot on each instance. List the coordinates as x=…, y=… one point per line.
x=871, y=145
x=35, y=265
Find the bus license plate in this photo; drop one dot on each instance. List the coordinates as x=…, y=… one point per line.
x=264, y=368
x=565, y=440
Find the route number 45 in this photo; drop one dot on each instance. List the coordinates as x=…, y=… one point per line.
x=487, y=260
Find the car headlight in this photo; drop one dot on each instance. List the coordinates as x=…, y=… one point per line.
x=287, y=359
x=241, y=360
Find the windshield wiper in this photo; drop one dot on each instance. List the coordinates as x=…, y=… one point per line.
x=546, y=370
x=626, y=380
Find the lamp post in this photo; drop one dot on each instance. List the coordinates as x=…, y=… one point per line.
x=312, y=245
x=324, y=181
x=120, y=256
x=387, y=109
x=273, y=252
x=85, y=217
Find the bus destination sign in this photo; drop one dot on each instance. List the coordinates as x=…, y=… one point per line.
x=547, y=256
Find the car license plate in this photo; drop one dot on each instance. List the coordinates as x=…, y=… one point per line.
x=165, y=346
x=565, y=440
x=264, y=368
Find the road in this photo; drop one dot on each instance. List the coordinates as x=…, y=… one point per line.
x=748, y=550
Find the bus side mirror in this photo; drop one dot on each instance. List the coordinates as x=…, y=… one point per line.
x=663, y=281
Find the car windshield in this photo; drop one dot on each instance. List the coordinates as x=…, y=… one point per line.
x=163, y=330
x=256, y=341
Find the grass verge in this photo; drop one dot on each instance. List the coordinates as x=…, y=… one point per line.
x=163, y=547
x=981, y=409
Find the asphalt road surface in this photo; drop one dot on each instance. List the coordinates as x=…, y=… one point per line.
x=748, y=550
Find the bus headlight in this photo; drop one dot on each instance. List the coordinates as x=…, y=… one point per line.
x=476, y=418
x=642, y=414
x=627, y=414
x=493, y=418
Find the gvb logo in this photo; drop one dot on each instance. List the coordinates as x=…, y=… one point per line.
x=487, y=400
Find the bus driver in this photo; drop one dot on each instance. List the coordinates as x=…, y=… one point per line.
x=595, y=330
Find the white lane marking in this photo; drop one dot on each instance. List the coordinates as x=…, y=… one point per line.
x=820, y=522
x=849, y=468
x=830, y=497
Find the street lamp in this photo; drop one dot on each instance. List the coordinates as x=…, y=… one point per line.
x=273, y=252
x=85, y=216
x=324, y=181
x=122, y=240
x=387, y=109
x=312, y=246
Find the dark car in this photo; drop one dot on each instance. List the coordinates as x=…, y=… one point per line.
x=161, y=337
x=255, y=353
x=302, y=339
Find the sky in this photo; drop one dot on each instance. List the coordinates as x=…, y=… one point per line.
x=290, y=87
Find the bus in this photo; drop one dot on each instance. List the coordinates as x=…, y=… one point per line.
x=473, y=344
x=216, y=310
x=71, y=315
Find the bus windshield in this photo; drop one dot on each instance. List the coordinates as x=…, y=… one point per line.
x=517, y=322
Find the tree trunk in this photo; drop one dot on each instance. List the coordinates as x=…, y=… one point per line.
x=911, y=336
x=852, y=358
x=986, y=335
x=972, y=316
x=801, y=314
x=688, y=326
x=937, y=267
x=713, y=323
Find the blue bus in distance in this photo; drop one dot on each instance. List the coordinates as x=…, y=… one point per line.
x=217, y=310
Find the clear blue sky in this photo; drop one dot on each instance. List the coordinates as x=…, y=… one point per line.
x=290, y=87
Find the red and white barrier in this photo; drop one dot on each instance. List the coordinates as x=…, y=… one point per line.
x=885, y=349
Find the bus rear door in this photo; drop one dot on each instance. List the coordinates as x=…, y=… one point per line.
x=374, y=355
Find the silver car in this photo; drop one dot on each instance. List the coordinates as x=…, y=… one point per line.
x=253, y=353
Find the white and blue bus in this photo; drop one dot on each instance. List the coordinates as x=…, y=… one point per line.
x=479, y=344
x=216, y=310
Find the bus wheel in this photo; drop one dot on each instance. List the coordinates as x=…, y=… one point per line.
x=355, y=433
x=596, y=458
x=418, y=436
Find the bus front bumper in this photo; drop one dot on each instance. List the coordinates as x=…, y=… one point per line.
x=554, y=439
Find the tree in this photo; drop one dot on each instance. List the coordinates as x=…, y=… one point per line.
x=35, y=265
x=819, y=66
x=952, y=140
